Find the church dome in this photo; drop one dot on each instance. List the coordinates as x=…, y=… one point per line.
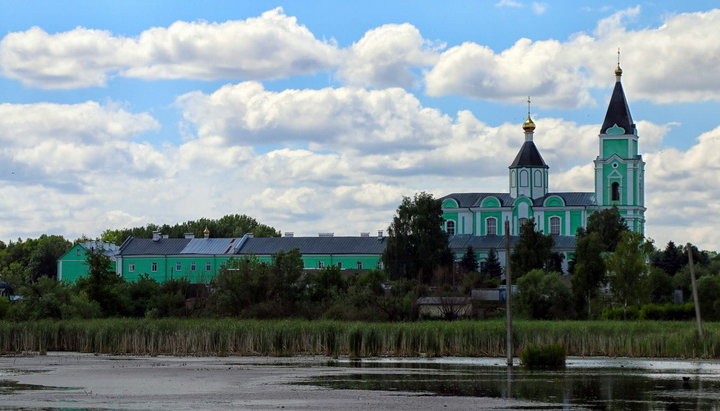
x=528, y=125
x=618, y=71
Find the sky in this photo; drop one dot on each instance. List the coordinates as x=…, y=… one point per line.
x=319, y=116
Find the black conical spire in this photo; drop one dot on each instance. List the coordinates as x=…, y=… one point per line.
x=618, y=112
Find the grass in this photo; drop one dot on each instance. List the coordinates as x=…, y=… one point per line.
x=356, y=339
x=543, y=356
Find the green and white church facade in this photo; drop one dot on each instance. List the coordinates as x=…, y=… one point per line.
x=619, y=181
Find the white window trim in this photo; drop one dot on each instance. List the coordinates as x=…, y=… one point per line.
x=153, y=267
x=131, y=267
x=487, y=225
x=559, y=224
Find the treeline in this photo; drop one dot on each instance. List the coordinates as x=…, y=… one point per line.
x=245, y=288
x=233, y=225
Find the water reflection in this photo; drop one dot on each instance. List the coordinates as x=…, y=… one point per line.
x=601, y=388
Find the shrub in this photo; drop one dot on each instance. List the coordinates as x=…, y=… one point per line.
x=543, y=356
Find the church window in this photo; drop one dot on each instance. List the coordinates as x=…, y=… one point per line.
x=321, y=264
x=523, y=220
x=523, y=178
x=615, y=191
x=450, y=227
x=153, y=267
x=491, y=224
x=208, y=266
x=359, y=265
x=77, y=252
x=193, y=266
x=339, y=264
x=131, y=267
x=178, y=266
x=512, y=178
x=555, y=225
x=538, y=178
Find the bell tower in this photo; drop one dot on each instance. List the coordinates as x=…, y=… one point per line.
x=619, y=169
x=528, y=172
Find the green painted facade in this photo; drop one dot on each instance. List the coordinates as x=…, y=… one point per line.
x=72, y=265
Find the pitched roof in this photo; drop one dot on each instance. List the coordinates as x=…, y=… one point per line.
x=146, y=246
x=108, y=249
x=528, y=156
x=314, y=245
x=475, y=199
x=618, y=112
x=212, y=246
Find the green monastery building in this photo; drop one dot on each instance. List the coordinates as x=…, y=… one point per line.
x=471, y=219
x=619, y=181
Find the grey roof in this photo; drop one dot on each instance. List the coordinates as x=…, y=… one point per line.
x=460, y=242
x=618, y=112
x=146, y=246
x=528, y=156
x=108, y=249
x=466, y=200
x=314, y=245
x=212, y=246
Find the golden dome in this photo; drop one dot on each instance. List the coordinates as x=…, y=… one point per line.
x=618, y=71
x=528, y=125
x=206, y=232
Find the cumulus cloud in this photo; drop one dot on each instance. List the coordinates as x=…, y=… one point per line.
x=385, y=55
x=270, y=46
x=561, y=73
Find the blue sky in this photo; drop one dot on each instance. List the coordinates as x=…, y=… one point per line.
x=320, y=115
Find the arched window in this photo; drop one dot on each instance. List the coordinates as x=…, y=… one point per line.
x=538, y=178
x=523, y=178
x=523, y=220
x=555, y=225
x=450, y=227
x=512, y=178
x=615, y=191
x=491, y=226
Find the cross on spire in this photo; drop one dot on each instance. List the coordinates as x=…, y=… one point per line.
x=528, y=101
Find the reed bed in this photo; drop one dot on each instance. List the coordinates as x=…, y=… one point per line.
x=356, y=339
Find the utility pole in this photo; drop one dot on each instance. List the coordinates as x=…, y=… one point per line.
x=695, y=294
x=508, y=297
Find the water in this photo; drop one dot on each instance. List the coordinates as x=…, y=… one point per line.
x=599, y=384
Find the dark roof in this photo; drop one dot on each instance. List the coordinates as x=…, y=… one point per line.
x=618, y=112
x=528, y=156
x=459, y=243
x=146, y=246
x=476, y=199
x=212, y=246
x=314, y=245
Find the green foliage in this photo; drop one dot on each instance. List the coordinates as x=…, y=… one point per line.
x=102, y=283
x=627, y=268
x=589, y=270
x=658, y=285
x=543, y=356
x=542, y=295
x=709, y=297
x=233, y=225
x=609, y=224
x=655, y=312
x=532, y=251
x=469, y=260
x=24, y=261
x=492, y=265
x=416, y=244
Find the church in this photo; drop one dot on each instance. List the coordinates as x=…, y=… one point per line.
x=478, y=219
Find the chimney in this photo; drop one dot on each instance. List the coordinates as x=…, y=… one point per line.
x=380, y=235
x=156, y=236
x=189, y=236
x=166, y=236
x=289, y=234
x=326, y=234
x=364, y=234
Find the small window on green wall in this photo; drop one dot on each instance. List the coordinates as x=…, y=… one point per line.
x=153, y=267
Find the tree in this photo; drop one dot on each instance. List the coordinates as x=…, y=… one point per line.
x=43, y=259
x=658, y=285
x=492, y=265
x=543, y=296
x=671, y=260
x=469, y=262
x=588, y=272
x=416, y=243
x=609, y=224
x=101, y=283
x=532, y=251
x=626, y=267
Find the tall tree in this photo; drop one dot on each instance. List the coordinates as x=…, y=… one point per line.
x=670, y=260
x=416, y=243
x=588, y=272
x=492, y=265
x=101, y=283
x=627, y=268
x=469, y=260
x=532, y=251
x=609, y=224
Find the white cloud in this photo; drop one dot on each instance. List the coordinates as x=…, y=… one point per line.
x=385, y=55
x=560, y=74
x=272, y=45
x=539, y=8
x=508, y=3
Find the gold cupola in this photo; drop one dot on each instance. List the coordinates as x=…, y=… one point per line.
x=528, y=125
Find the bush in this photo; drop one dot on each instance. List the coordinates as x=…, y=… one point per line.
x=543, y=296
x=620, y=313
x=543, y=356
x=656, y=312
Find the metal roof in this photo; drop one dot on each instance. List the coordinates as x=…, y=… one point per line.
x=467, y=200
x=528, y=156
x=108, y=249
x=314, y=245
x=146, y=246
x=459, y=243
x=618, y=112
x=212, y=246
